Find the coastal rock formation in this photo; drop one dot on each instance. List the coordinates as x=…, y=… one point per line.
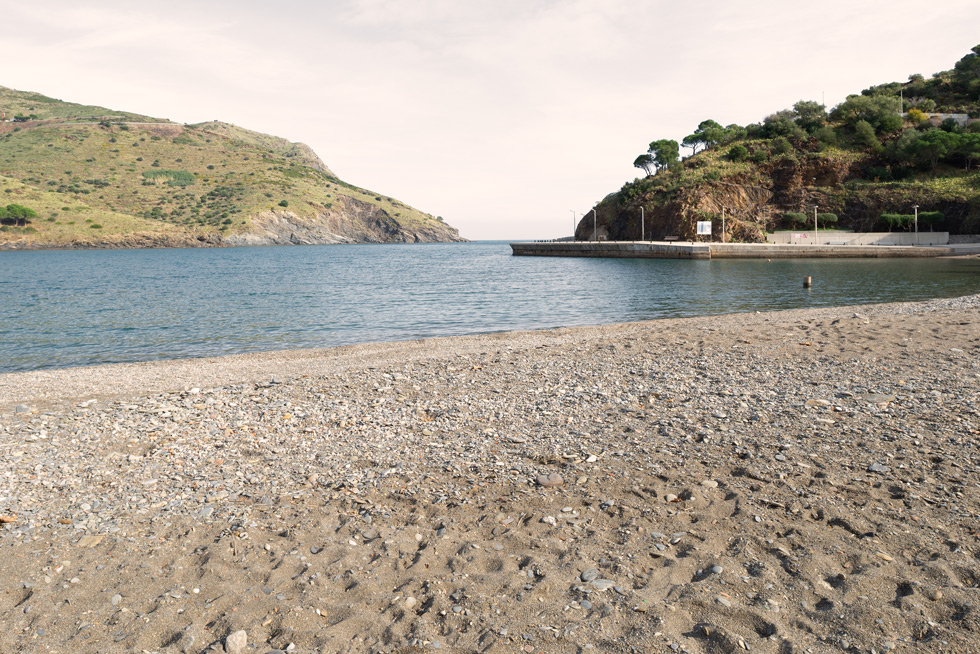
x=354, y=221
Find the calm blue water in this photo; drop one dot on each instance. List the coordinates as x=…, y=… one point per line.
x=75, y=308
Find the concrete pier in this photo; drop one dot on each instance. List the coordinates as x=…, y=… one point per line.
x=688, y=250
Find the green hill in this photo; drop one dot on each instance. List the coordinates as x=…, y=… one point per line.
x=865, y=165
x=102, y=178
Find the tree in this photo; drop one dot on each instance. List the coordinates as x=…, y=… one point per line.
x=693, y=141
x=897, y=220
x=734, y=132
x=645, y=161
x=810, y=115
x=969, y=148
x=19, y=215
x=864, y=134
x=781, y=145
x=825, y=135
x=707, y=134
x=880, y=111
x=782, y=123
x=966, y=72
x=934, y=146
x=950, y=125
x=665, y=153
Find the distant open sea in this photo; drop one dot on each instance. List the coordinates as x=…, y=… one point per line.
x=86, y=307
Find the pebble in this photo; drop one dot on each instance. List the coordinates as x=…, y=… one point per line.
x=236, y=642
x=552, y=480
x=142, y=471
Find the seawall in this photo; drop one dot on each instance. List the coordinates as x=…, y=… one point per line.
x=665, y=250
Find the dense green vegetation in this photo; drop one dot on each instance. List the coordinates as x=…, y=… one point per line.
x=865, y=162
x=14, y=214
x=81, y=166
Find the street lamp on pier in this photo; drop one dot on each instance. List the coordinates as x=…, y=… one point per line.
x=574, y=223
x=815, y=237
x=916, y=209
x=642, y=225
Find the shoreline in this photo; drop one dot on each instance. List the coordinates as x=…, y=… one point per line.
x=785, y=482
x=171, y=375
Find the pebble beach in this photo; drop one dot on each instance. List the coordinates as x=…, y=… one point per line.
x=786, y=482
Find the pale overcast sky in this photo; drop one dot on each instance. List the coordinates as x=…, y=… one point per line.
x=503, y=117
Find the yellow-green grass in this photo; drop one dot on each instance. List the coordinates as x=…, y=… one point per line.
x=62, y=220
x=26, y=103
x=236, y=174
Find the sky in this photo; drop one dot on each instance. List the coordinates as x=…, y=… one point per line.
x=508, y=118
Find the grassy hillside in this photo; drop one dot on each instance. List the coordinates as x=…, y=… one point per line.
x=79, y=166
x=865, y=165
x=35, y=106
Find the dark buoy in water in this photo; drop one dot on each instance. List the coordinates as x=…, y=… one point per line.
x=807, y=282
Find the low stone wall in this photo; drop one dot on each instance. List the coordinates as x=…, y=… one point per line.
x=803, y=237
x=964, y=238
x=783, y=251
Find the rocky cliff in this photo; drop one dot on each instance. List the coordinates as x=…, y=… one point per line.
x=756, y=199
x=354, y=221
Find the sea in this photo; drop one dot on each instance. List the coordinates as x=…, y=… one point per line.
x=86, y=307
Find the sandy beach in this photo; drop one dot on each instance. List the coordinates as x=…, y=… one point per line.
x=788, y=482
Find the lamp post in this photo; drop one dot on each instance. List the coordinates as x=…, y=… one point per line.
x=642, y=225
x=916, y=208
x=723, y=224
x=595, y=227
x=815, y=224
x=574, y=223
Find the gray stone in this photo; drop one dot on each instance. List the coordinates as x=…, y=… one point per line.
x=879, y=468
x=590, y=574
x=236, y=642
x=552, y=480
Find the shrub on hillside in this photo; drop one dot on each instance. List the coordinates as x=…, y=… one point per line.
x=737, y=152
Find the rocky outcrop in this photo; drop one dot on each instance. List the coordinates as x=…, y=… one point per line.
x=757, y=201
x=351, y=221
